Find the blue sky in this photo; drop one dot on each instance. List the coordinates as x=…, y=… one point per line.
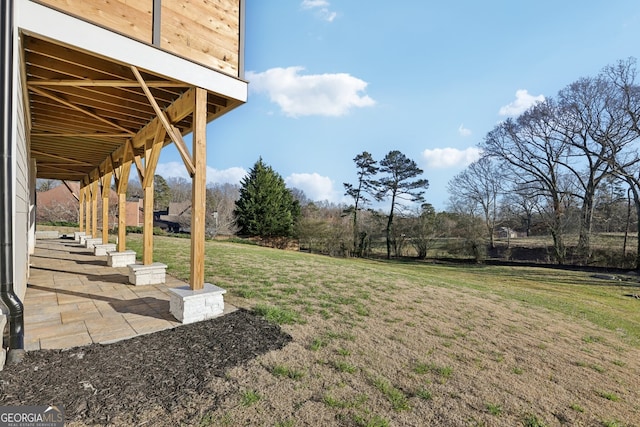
x=330, y=79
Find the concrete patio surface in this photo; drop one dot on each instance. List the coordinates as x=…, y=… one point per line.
x=74, y=298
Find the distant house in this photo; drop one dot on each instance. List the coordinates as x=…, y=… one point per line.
x=506, y=233
x=61, y=204
x=175, y=219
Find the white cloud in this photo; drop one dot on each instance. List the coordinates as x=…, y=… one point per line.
x=312, y=94
x=231, y=175
x=521, y=104
x=310, y=4
x=316, y=187
x=441, y=158
x=463, y=131
x=322, y=9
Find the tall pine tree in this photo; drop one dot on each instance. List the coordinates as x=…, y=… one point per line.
x=266, y=207
x=400, y=183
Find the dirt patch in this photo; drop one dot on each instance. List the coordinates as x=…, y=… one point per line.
x=158, y=379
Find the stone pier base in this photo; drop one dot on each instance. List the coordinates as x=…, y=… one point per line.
x=189, y=306
x=77, y=234
x=90, y=243
x=83, y=238
x=121, y=259
x=152, y=274
x=47, y=234
x=103, y=249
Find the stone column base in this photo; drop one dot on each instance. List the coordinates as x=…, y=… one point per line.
x=189, y=306
x=83, y=238
x=152, y=274
x=90, y=243
x=77, y=234
x=121, y=259
x=47, y=234
x=101, y=250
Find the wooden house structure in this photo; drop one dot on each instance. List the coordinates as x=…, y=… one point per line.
x=93, y=89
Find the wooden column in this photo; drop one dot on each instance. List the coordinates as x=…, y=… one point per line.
x=106, y=192
x=122, y=221
x=147, y=232
x=198, y=189
x=81, y=203
x=87, y=209
x=122, y=181
x=152, y=155
x=94, y=208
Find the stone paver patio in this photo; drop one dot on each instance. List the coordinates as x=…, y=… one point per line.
x=73, y=298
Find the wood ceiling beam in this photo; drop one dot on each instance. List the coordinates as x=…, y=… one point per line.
x=106, y=83
x=66, y=159
x=120, y=107
x=80, y=135
x=81, y=110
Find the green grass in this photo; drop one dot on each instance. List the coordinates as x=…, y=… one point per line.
x=442, y=371
x=281, y=316
x=345, y=367
x=494, y=409
x=251, y=272
x=357, y=296
x=424, y=394
x=576, y=407
x=334, y=402
x=608, y=395
x=374, y=421
x=531, y=420
x=249, y=397
x=397, y=398
x=285, y=371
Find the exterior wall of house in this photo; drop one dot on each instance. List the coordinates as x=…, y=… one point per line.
x=22, y=190
x=203, y=31
x=133, y=18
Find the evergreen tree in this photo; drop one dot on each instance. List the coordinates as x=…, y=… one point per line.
x=161, y=193
x=400, y=183
x=266, y=207
x=366, y=169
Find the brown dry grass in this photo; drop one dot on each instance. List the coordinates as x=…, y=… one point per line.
x=387, y=343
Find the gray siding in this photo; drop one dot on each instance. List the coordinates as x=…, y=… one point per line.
x=22, y=195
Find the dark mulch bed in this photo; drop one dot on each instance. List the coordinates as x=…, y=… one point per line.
x=163, y=373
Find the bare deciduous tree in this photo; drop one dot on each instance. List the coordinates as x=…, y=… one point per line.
x=481, y=186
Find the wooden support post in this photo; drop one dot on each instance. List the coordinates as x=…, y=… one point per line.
x=94, y=208
x=198, y=189
x=147, y=232
x=106, y=192
x=87, y=209
x=122, y=181
x=81, y=209
x=122, y=222
x=152, y=154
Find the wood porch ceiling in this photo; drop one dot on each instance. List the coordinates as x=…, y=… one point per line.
x=83, y=108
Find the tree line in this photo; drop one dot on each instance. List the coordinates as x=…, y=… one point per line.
x=565, y=160
x=569, y=165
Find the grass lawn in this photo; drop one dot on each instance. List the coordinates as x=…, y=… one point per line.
x=381, y=343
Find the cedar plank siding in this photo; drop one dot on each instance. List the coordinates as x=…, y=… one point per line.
x=203, y=31
x=131, y=18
